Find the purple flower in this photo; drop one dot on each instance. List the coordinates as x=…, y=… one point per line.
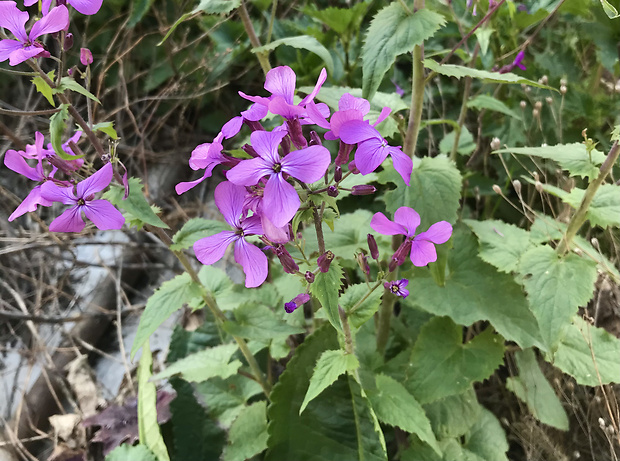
x=229, y=200
x=516, y=63
x=87, y=7
x=397, y=287
x=280, y=200
x=406, y=221
x=325, y=260
x=26, y=46
x=372, y=149
x=296, y=302
x=86, y=57
x=101, y=212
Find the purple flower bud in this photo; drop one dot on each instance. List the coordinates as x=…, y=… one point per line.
x=254, y=126
x=68, y=41
x=86, y=57
x=344, y=150
x=400, y=255
x=338, y=173
x=315, y=139
x=300, y=235
x=362, y=261
x=325, y=261
x=249, y=150
x=352, y=168
x=309, y=277
x=287, y=261
x=363, y=189
x=296, y=302
x=333, y=191
x=372, y=246
x=70, y=72
x=296, y=133
x=286, y=145
x=397, y=287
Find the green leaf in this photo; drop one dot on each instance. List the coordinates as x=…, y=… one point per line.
x=195, y=229
x=166, y=300
x=395, y=406
x=138, y=9
x=434, y=193
x=215, y=280
x=452, y=70
x=136, y=452
x=107, y=128
x=476, y=291
x=135, y=203
x=485, y=101
x=248, y=434
x=587, y=353
x=368, y=306
x=255, y=321
x=452, y=416
x=532, y=387
x=441, y=365
x=43, y=88
x=501, y=244
x=305, y=42
x=604, y=210
x=610, y=11
x=57, y=130
x=466, y=142
x=571, y=157
x=205, y=364
x=393, y=32
x=330, y=95
x=150, y=435
x=325, y=288
x=341, y=20
x=68, y=83
x=338, y=424
x=487, y=438
x=328, y=368
x=556, y=287
x=217, y=6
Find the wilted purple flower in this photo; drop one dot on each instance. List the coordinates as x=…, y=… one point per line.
x=101, y=212
x=280, y=200
x=296, y=302
x=406, y=221
x=26, y=46
x=325, y=260
x=229, y=200
x=397, y=287
x=86, y=57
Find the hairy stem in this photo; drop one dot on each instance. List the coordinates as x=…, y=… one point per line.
x=348, y=338
x=249, y=29
x=318, y=225
x=417, y=102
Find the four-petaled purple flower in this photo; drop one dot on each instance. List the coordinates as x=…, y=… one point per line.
x=229, y=200
x=397, y=287
x=422, y=246
x=101, y=212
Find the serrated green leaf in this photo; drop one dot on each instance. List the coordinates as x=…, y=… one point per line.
x=466, y=142
x=325, y=288
x=68, y=83
x=587, y=353
x=501, y=244
x=556, y=287
x=487, y=438
x=255, y=321
x=454, y=415
x=195, y=229
x=451, y=70
x=166, y=300
x=609, y=9
x=485, y=101
x=338, y=19
x=368, y=306
x=202, y=365
x=135, y=203
x=148, y=427
x=393, y=32
x=434, y=193
x=441, y=365
x=217, y=6
x=248, y=434
x=57, y=130
x=395, y=406
x=532, y=387
x=136, y=452
x=107, y=128
x=571, y=157
x=43, y=88
x=329, y=366
x=476, y=291
x=305, y=42
x=138, y=9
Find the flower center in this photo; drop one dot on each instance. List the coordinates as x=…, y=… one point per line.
x=81, y=202
x=277, y=167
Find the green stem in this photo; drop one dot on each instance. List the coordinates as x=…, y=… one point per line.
x=359, y=303
x=318, y=225
x=580, y=215
x=348, y=338
x=385, y=316
x=417, y=102
x=463, y=114
x=249, y=29
x=274, y=7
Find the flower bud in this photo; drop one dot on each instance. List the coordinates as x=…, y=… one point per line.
x=495, y=143
x=563, y=82
x=285, y=144
x=399, y=257
x=372, y=246
x=86, y=57
x=344, y=151
x=528, y=89
x=563, y=89
x=296, y=133
x=538, y=105
x=254, y=125
x=315, y=140
x=338, y=173
x=362, y=261
x=544, y=80
x=287, y=261
x=296, y=302
x=325, y=260
x=497, y=189
x=595, y=244
x=535, y=113
x=536, y=176
x=523, y=104
x=68, y=44
x=549, y=100
x=309, y=277
x=517, y=185
x=249, y=150
x=539, y=187
x=363, y=189
x=333, y=191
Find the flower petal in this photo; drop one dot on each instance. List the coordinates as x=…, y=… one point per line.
x=211, y=249
x=96, y=182
x=55, y=193
x=23, y=54
x=232, y=127
x=422, y=253
x=13, y=19
x=266, y=143
x=229, y=200
x=280, y=202
x=316, y=116
x=280, y=81
x=408, y=218
x=57, y=19
x=255, y=112
x=30, y=203
x=370, y=154
x=307, y=165
x=252, y=225
x=402, y=163
x=383, y=225
x=316, y=89
x=348, y=101
x=385, y=113
x=8, y=47
x=14, y=161
x=103, y=214
x=183, y=187
x=70, y=221
x=356, y=131
x=87, y=7
x=253, y=261
x=440, y=232
x=249, y=172
x=278, y=105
